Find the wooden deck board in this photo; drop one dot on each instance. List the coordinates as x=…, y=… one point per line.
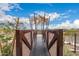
x=39, y=48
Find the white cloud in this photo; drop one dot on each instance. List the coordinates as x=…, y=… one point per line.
x=8, y=6
x=24, y=20
x=54, y=16
x=42, y=13
x=63, y=25
x=76, y=22
x=7, y=18
x=1, y=13
x=5, y=7
x=66, y=25
x=12, y=19
x=17, y=6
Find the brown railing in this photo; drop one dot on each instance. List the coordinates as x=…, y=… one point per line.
x=58, y=36
x=20, y=37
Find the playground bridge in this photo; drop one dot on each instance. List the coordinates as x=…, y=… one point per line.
x=39, y=37
x=40, y=44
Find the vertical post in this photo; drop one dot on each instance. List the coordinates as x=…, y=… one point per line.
x=18, y=43
x=35, y=25
x=48, y=22
x=30, y=21
x=47, y=37
x=44, y=22
x=31, y=38
x=31, y=30
x=34, y=21
x=60, y=43
x=43, y=30
x=75, y=43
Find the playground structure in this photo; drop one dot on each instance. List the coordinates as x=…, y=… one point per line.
x=46, y=43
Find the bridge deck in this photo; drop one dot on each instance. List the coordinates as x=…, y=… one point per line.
x=39, y=47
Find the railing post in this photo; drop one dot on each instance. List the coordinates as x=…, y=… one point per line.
x=60, y=43
x=47, y=37
x=75, y=43
x=18, y=43
x=31, y=37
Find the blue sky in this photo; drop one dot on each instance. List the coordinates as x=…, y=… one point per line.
x=28, y=8
x=63, y=13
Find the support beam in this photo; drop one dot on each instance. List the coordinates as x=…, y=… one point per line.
x=53, y=39
x=60, y=43
x=26, y=42
x=52, y=42
x=18, y=43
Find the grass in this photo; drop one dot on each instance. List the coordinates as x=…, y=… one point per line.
x=67, y=52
